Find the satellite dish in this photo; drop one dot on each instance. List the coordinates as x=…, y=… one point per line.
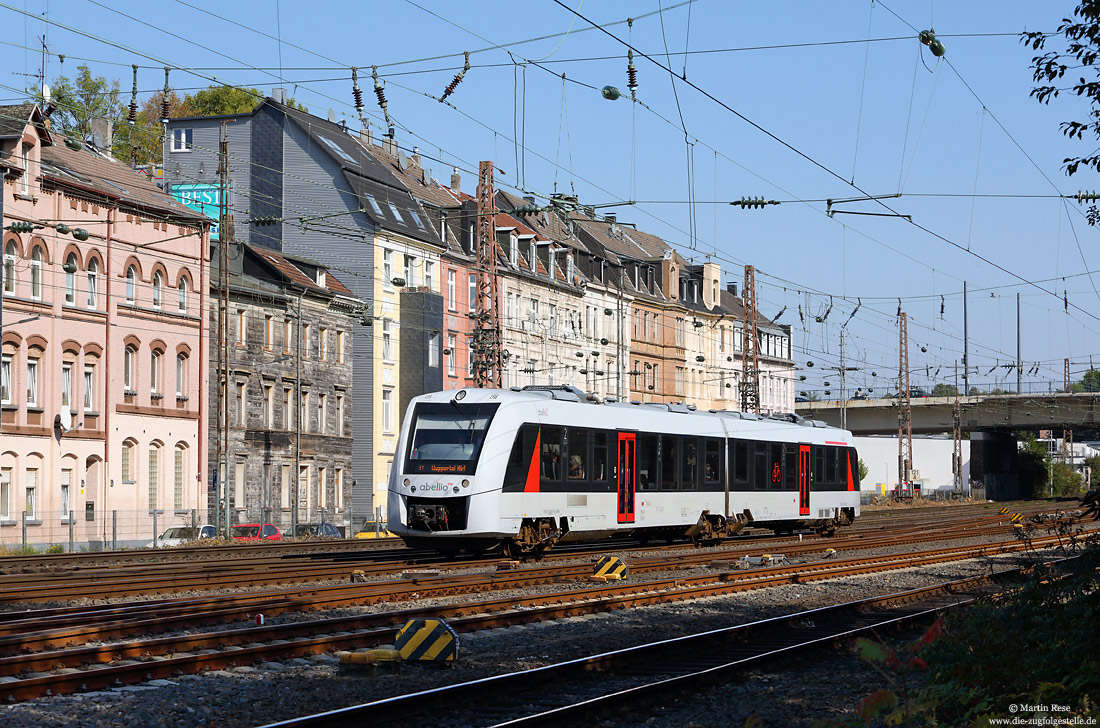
x=402, y=160
x=66, y=418
x=46, y=93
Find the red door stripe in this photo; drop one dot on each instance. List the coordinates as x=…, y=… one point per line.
x=851, y=483
x=532, y=484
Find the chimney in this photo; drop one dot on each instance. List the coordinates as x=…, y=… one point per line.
x=366, y=137
x=415, y=158
x=332, y=115
x=712, y=273
x=279, y=94
x=732, y=288
x=456, y=181
x=101, y=133
x=389, y=144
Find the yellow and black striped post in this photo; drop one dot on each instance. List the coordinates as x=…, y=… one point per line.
x=427, y=640
x=610, y=568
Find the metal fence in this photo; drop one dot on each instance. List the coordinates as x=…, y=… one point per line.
x=68, y=531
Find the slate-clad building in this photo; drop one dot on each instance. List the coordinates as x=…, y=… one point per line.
x=333, y=202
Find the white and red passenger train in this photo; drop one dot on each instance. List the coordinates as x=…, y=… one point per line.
x=522, y=469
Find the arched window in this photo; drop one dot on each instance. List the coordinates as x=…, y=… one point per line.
x=129, y=369
x=179, y=475
x=9, y=267
x=154, y=371
x=158, y=288
x=93, y=283
x=181, y=375
x=36, y=272
x=183, y=295
x=131, y=284
x=70, y=279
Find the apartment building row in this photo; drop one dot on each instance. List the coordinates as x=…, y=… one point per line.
x=585, y=299
x=348, y=283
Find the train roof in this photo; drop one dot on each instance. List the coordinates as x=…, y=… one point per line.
x=573, y=395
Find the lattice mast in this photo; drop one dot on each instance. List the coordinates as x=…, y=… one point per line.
x=750, y=359
x=1065, y=376
x=487, y=331
x=905, y=405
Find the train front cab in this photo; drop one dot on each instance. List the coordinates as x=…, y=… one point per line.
x=440, y=472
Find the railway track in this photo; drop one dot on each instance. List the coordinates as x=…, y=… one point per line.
x=93, y=666
x=634, y=678
x=144, y=579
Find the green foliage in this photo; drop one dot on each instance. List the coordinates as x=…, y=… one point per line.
x=1032, y=466
x=1082, y=45
x=863, y=470
x=220, y=100
x=1065, y=481
x=55, y=548
x=1035, y=646
x=82, y=99
x=1090, y=382
x=945, y=390
x=1093, y=464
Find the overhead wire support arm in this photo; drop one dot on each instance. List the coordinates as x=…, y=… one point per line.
x=862, y=198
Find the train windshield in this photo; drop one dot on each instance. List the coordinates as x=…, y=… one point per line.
x=447, y=437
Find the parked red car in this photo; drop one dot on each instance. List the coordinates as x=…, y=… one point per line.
x=255, y=532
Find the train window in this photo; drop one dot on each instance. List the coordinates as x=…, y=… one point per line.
x=761, y=471
x=775, y=465
x=669, y=460
x=790, y=467
x=741, y=464
x=647, y=462
x=819, y=467
x=830, y=467
x=577, y=465
x=712, y=461
x=519, y=462
x=689, y=473
x=599, y=456
x=550, y=455
x=447, y=437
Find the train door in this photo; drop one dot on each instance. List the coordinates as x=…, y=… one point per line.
x=804, y=479
x=627, y=478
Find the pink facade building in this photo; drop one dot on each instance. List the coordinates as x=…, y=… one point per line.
x=102, y=432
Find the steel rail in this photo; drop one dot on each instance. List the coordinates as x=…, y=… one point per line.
x=287, y=640
x=519, y=699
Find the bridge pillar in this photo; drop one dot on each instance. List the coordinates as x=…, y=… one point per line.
x=994, y=463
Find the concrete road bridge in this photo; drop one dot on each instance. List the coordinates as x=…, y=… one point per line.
x=991, y=421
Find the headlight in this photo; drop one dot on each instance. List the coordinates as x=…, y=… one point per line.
x=465, y=484
x=406, y=481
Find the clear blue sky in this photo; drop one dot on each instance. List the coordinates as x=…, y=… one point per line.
x=919, y=127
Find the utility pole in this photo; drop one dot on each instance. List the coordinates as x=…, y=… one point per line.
x=487, y=339
x=750, y=359
x=1019, y=362
x=1065, y=377
x=223, y=355
x=966, y=346
x=905, y=412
